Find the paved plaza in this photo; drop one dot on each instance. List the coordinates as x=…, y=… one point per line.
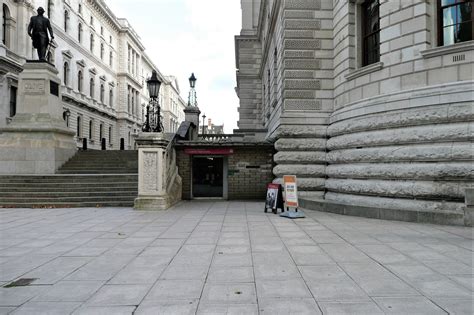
x=229, y=258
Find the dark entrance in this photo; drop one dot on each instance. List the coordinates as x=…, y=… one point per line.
x=208, y=176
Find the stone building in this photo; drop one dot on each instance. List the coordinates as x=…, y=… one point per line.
x=211, y=128
x=370, y=103
x=102, y=65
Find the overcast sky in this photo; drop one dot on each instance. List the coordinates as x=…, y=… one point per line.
x=184, y=36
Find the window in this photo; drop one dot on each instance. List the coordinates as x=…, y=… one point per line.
x=102, y=93
x=50, y=8
x=101, y=127
x=92, y=43
x=110, y=134
x=78, y=131
x=102, y=30
x=91, y=129
x=80, y=79
x=13, y=94
x=92, y=20
x=111, y=59
x=111, y=98
x=91, y=87
x=110, y=39
x=79, y=33
x=6, y=25
x=79, y=9
x=102, y=51
x=370, y=32
x=455, y=21
x=66, y=18
x=66, y=73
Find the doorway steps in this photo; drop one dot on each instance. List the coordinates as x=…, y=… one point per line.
x=89, y=179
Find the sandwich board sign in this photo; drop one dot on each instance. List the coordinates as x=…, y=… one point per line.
x=291, y=197
x=274, y=198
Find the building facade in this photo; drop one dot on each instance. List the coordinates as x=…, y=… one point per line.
x=369, y=103
x=102, y=65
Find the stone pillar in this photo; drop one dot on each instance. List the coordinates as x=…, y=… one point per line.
x=159, y=186
x=191, y=114
x=37, y=140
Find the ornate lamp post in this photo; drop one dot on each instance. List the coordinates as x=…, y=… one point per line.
x=203, y=122
x=153, y=116
x=192, y=99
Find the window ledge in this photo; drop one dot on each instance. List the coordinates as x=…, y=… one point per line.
x=445, y=50
x=365, y=70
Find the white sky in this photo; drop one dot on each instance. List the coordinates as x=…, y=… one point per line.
x=184, y=36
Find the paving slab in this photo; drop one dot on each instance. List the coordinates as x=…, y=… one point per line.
x=219, y=257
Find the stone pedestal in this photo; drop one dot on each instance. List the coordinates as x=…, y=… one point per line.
x=159, y=185
x=191, y=114
x=37, y=140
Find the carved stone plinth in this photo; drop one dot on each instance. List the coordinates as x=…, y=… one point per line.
x=37, y=141
x=159, y=185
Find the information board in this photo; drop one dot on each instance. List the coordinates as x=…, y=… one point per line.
x=291, y=191
x=274, y=198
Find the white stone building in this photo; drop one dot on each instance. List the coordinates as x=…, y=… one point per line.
x=102, y=64
x=369, y=103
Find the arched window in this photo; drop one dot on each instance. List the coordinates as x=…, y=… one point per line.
x=66, y=18
x=101, y=51
x=80, y=79
x=101, y=134
x=102, y=93
x=91, y=87
x=133, y=103
x=129, y=138
x=110, y=134
x=111, y=98
x=91, y=129
x=78, y=131
x=111, y=59
x=79, y=8
x=6, y=25
x=79, y=33
x=92, y=43
x=66, y=73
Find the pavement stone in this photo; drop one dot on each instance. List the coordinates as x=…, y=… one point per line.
x=219, y=257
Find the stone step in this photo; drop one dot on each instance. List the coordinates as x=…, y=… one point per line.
x=60, y=194
x=94, y=171
x=81, y=189
x=95, y=199
x=68, y=204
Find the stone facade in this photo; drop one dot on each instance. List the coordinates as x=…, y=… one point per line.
x=102, y=65
x=396, y=133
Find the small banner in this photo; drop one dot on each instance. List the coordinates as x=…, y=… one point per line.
x=274, y=198
x=291, y=191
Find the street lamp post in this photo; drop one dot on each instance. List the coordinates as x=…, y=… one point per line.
x=203, y=120
x=153, y=121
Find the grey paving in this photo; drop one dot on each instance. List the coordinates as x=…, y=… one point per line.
x=229, y=258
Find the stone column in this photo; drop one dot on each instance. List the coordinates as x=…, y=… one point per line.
x=156, y=190
x=37, y=140
x=191, y=114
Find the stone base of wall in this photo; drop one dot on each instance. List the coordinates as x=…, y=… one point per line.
x=451, y=218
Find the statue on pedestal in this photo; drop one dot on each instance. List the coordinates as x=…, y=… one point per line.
x=38, y=31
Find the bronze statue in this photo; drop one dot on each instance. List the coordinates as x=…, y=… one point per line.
x=38, y=31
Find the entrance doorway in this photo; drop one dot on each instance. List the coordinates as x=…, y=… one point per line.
x=208, y=177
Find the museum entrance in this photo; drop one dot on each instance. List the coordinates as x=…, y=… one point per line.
x=208, y=177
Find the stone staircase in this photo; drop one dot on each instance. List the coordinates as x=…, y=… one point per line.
x=89, y=179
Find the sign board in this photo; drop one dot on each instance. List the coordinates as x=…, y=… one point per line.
x=291, y=191
x=211, y=151
x=274, y=198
